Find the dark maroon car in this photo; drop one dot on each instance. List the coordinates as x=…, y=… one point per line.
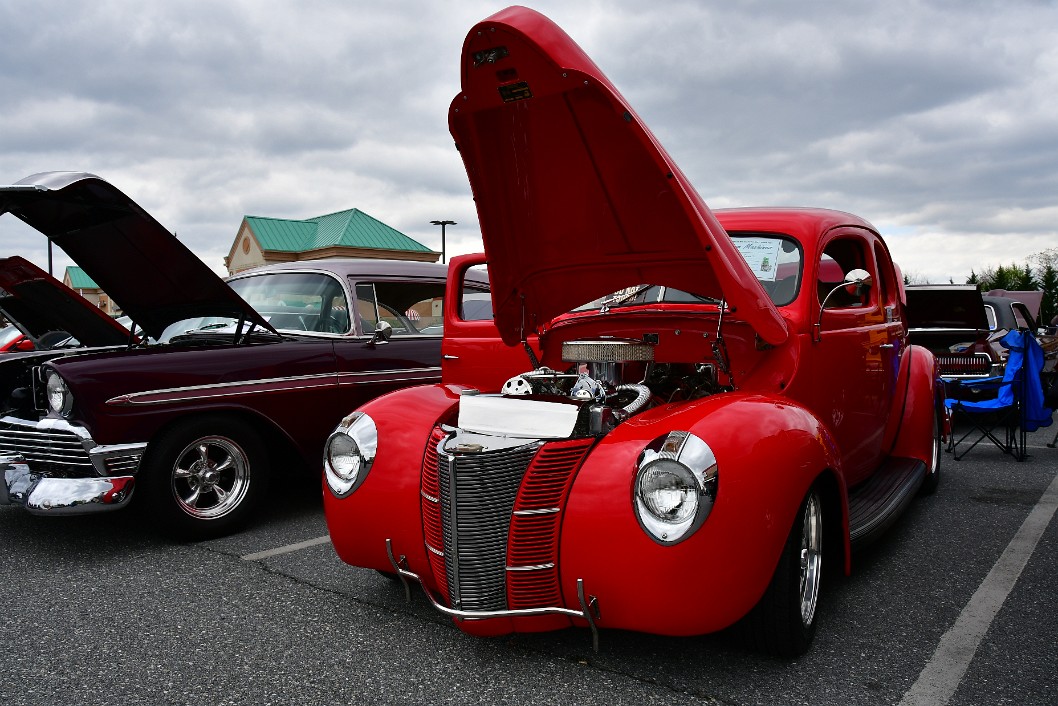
x=242, y=393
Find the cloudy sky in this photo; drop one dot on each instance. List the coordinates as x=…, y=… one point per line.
x=937, y=120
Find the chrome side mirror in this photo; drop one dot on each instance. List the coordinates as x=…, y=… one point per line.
x=855, y=282
x=859, y=279
x=382, y=333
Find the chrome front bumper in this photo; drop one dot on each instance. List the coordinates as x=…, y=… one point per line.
x=43, y=495
x=589, y=604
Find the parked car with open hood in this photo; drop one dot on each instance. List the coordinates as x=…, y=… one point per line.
x=49, y=313
x=13, y=340
x=242, y=394
x=677, y=417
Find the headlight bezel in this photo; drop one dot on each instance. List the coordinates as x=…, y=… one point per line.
x=691, y=464
x=54, y=384
x=349, y=454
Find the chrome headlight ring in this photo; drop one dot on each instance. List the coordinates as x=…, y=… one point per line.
x=349, y=453
x=675, y=487
x=60, y=399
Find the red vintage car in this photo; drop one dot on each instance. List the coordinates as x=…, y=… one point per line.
x=13, y=340
x=240, y=393
x=677, y=417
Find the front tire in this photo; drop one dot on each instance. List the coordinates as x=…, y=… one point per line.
x=205, y=478
x=783, y=623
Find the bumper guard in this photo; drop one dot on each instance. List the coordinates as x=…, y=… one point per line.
x=45, y=495
x=589, y=604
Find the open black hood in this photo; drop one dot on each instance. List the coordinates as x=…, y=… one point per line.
x=151, y=275
x=39, y=305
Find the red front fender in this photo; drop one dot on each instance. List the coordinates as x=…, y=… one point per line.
x=768, y=451
x=386, y=505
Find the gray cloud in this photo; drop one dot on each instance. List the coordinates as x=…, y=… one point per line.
x=933, y=119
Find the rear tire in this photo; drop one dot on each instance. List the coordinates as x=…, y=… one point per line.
x=783, y=623
x=929, y=486
x=205, y=478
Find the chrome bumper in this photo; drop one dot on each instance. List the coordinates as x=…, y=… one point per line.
x=43, y=495
x=589, y=604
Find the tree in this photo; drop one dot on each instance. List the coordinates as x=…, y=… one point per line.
x=1048, y=279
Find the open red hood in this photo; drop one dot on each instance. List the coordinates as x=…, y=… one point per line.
x=152, y=276
x=39, y=304
x=575, y=196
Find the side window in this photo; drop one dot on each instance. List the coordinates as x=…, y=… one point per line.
x=411, y=308
x=840, y=257
x=1022, y=317
x=990, y=314
x=476, y=305
x=886, y=281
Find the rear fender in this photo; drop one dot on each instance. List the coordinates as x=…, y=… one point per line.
x=924, y=400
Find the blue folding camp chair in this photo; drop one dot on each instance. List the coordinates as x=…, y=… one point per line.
x=1001, y=409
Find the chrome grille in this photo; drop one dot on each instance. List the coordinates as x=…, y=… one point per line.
x=478, y=491
x=51, y=451
x=122, y=465
x=964, y=364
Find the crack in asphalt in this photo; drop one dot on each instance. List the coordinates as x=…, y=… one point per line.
x=511, y=643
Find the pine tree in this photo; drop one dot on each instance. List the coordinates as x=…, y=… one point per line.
x=1048, y=279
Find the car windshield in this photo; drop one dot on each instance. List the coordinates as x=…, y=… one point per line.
x=289, y=301
x=776, y=260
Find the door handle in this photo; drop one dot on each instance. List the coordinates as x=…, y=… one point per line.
x=456, y=357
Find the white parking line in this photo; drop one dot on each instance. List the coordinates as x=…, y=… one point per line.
x=287, y=549
x=942, y=674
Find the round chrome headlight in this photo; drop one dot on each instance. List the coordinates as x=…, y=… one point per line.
x=349, y=453
x=675, y=487
x=668, y=491
x=60, y=400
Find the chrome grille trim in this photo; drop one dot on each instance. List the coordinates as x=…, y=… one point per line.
x=49, y=451
x=55, y=447
x=478, y=492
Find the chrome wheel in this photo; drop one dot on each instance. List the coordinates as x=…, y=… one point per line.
x=929, y=485
x=210, y=477
x=811, y=558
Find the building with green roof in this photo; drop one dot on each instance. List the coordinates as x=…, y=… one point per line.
x=76, y=279
x=351, y=233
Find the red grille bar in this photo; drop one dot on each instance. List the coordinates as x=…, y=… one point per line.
x=532, y=545
x=429, y=498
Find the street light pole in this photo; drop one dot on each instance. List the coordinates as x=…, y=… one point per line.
x=443, y=224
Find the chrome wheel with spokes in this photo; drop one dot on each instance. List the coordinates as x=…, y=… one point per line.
x=211, y=477
x=811, y=558
x=205, y=477
x=784, y=620
x=933, y=472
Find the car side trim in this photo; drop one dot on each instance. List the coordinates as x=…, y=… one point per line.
x=269, y=385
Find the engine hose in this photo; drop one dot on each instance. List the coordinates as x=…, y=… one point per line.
x=642, y=396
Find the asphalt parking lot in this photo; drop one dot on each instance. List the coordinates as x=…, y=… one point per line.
x=956, y=602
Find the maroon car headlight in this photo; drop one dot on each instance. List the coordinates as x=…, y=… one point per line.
x=60, y=399
x=675, y=487
x=349, y=453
